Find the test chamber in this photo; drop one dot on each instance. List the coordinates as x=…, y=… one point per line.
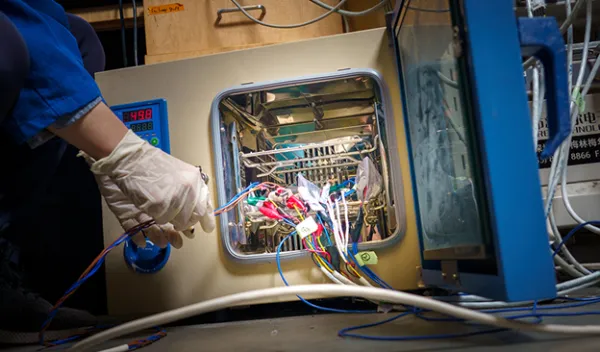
x=451, y=213
x=206, y=267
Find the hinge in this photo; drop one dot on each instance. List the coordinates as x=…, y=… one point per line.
x=450, y=272
x=420, y=282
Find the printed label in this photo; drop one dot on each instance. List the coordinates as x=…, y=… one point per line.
x=585, y=144
x=366, y=258
x=163, y=9
x=307, y=227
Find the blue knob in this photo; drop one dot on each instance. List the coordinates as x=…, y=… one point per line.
x=147, y=260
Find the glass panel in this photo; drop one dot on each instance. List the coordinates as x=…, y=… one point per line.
x=325, y=130
x=440, y=132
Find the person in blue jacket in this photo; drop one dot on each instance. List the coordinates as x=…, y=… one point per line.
x=49, y=99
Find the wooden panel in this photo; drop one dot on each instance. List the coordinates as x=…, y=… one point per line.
x=154, y=59
x=107, y=17
x=375, y=19
x=196, y=28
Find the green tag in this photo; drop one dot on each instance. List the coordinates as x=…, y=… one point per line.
x=366, y=258
x=579, y=101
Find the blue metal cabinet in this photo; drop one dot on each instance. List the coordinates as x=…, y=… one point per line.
x=473, y=163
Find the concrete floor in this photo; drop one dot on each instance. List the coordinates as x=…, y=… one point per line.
x=319, y=333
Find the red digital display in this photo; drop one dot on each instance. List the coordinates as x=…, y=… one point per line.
x=137, y=115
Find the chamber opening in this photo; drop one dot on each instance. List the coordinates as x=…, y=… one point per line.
x=331, y=132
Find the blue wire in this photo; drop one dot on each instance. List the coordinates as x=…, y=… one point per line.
x=534, y=314
x=333, y=310
x=329, y=243
x=571, y=233
x=289, y=222
x=549, y=307
x=79, y=282
x=367, y=271
x=344, y=332
x=232, y=200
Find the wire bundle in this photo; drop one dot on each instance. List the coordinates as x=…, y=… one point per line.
x=559, y=167
x=87, y=273
x=532, y=312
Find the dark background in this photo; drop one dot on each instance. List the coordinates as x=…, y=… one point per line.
x=67, y=235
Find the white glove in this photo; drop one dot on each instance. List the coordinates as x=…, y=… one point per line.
x=161, y=186
x=130, y=216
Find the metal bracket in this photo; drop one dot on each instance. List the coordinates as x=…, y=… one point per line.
x=262, y=8
x=420, y=282
x=450, y=272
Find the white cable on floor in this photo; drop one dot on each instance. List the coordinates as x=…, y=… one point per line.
x=330, y=290
x=564, y=249
x=579, y=287
x=578, y=281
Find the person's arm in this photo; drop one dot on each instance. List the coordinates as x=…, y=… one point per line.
x=159, y=185
x=97, y=133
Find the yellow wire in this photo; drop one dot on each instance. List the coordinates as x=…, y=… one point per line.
x=299, y=213
x=354, y=271
x=320, y=244
x=319, y=259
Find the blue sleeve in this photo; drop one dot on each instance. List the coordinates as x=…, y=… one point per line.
x=58, y=89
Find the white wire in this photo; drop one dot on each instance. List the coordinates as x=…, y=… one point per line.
x=563, y=28
x=565, y=266
x=336, y=230
x=347, y=229
x=343, y=279
x=579, y=287
x=330, y=290
x=536, y=107
x=569, y=47
x=344, y=246
x=447, y=80
x=561, y=155
x=564, y=249
x=365, y=282
x=351, y=13
x=330, y=276
x=578, y=281
x=288, y=26
x=564, y=190
x=583, y=66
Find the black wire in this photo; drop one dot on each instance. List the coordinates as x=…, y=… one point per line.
x=123, y=46
x=135, y=41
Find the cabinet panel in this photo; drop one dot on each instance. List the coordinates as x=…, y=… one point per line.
x=195, y=26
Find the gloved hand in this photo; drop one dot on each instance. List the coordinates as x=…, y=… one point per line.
x=159, y=185
x=130, y=216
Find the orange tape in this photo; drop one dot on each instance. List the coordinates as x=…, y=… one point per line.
x=163, y=9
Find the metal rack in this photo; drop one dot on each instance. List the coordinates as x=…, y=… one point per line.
x=319, y=162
